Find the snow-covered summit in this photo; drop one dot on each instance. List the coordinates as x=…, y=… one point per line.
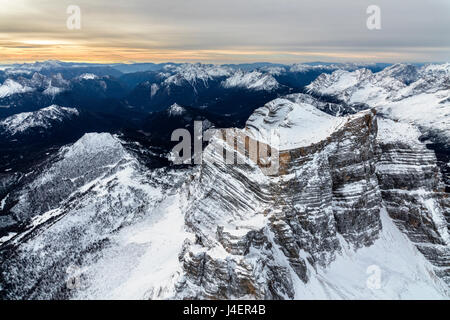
x=300, y=67
x=48, y=85
x=273, y=70
x=401, y=92
x=90, y=197
x=391, y=83
x=253, y=80
x=193, y=73
x=10, y=87
x=43, y=118
x=92, y=143
x=337, y=82
x=406, y=73
x=298, y=124
x=87, y=76
x=176, y=110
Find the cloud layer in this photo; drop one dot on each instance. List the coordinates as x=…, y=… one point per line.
x=225, y=31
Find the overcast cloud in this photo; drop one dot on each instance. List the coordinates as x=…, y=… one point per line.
x=225, y=31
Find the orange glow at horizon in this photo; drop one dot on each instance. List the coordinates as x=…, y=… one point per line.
x=39, y=50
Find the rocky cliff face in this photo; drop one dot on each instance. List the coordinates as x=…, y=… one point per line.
x=256, y=235
x=414, y=144
x=413, y=192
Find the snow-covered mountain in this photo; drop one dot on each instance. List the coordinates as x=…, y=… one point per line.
x=193, y=73
x=223, y=90
x=240, y=88
x=200, y=75
x=299, y=67
x=49, y=85
x=77, y=208
x=254, y=81
x=401, y=92
x=10, y=87
x=43, y=119
x=320, y=220
x=312, y=229
x=176, y=110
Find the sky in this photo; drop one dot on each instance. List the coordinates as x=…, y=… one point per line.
x=225, y=31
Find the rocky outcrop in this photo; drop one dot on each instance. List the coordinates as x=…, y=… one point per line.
x=256, y=234
x=413, y=176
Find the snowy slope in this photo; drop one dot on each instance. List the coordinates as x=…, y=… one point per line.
x=403, y=272
x=142, y=260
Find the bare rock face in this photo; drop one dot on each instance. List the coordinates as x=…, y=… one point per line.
x=255, y=233
x=413, y=192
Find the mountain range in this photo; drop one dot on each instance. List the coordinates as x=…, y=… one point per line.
x=88, y=191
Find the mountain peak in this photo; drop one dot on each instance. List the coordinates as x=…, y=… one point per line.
x=406, y=73
x=42, y=118
x=176, y=110
x=298, y=124
x=91, y=143
x=254, y=80
x=10, y=87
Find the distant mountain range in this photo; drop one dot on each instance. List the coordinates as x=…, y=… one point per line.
x=120, y=98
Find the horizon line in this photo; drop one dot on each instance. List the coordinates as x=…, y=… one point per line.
x=214, y=63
